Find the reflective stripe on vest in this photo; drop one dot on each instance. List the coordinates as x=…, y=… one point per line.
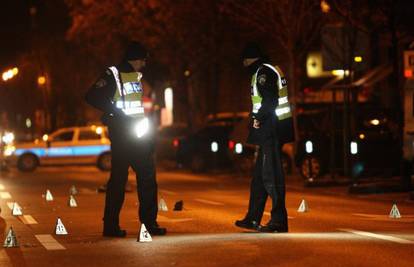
x=131, y=90
x=283, y=110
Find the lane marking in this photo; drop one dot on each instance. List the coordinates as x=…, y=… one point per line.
x=268, y=214
x=28, y=219
x=2, y=187
x=5, y=195
x=385, y=218
x=205, y=201
x=379, y=236
x=10, y=205
x=166, y=219
x=49, y=242
x=379, y=215
x=167, y=192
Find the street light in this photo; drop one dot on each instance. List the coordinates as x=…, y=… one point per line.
x=10, y=73
x=41, y=80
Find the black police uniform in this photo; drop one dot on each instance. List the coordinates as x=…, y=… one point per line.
x=127, y=150
x=268, y=177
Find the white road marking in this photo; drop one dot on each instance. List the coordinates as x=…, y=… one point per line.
x=205, y=201
x=28, y=219
x=49, y=242
x=379, y=215
x=385, y=217
x=167, y=192
x=268, y=214
x=166, y=219
x=5, y=195
x=10, y=205
x=379, y=236
x=2, y=187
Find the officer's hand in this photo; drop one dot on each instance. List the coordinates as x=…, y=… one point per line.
x=256, y=124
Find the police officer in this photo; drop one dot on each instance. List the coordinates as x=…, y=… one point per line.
x=270, y=106
x=118, y=93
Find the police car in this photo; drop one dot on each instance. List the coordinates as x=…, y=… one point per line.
x=67, y=146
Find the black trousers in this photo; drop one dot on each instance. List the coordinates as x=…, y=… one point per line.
x=128, y=152
x=268, y=180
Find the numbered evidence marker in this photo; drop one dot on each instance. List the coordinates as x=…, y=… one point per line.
x=395, y=213
x=17, y=210
x=11, y=240
x=303, y=207
x=49, y=196
x=60, y=228
x=144, y=235
x=162, y=206
x=73, y=191
x=72, y=202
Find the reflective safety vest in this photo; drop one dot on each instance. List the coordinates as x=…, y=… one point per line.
x=128, y=97
x=283, y=110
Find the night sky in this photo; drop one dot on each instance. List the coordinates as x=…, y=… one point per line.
x=17, y=25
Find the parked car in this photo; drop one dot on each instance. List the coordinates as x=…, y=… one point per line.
x=244, y=155
x=168, y=140
x=373, y=148
x=206, y=148
x=66, y=146
x=222, y=144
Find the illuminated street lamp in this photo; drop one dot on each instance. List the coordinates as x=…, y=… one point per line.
x=9, y=74
x=41, y=80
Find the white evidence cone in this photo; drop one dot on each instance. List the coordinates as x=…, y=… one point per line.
x=17, y=210
x=11, y=240
x=395, y=213
x=73, y=191
x=144, y=235
x=60, y=228
x=72, y=202
x=49, y=196
x=303, y=207
x=162, y=206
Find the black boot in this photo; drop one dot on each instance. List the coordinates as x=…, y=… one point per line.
x=272, y=227
x=155, y=229
x=114, y=232
x=247, y=224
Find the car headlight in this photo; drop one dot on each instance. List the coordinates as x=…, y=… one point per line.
x=142, y=127
x=9, y=150
x=309, y=147
x=8, y=138
x=238, y=148
x=354, y=148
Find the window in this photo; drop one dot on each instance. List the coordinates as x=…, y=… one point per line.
x=65, y=136
x=89, y=135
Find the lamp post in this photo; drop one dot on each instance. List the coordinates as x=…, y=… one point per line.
x=42, y=84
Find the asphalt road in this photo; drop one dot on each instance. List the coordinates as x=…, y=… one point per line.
x=338, y=230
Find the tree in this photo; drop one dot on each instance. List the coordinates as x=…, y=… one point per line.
x=188, y=37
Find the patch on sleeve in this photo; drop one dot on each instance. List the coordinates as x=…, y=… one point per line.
x=262, y=79
x=100, y=83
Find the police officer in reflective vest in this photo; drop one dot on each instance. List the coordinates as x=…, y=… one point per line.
x=118, y=93
x=270, y=111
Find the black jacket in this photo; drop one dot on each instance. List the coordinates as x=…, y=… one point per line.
x=100, y=96
x=101, y=93
x=268, y=90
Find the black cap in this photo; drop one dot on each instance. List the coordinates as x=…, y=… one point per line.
x=252, y=50
x=135, y=51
